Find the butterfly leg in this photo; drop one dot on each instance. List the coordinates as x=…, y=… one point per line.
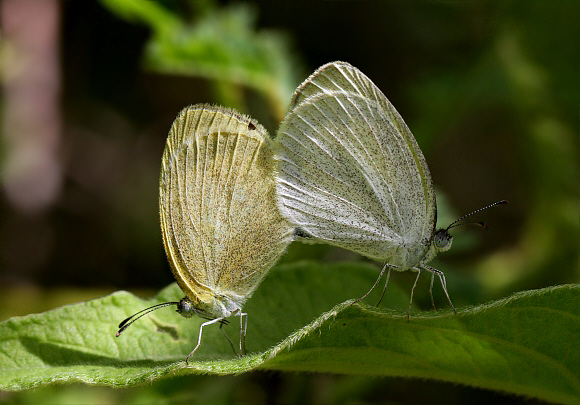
x=387, y=265
x=431, y=291
x=385, y=287
x=418, y=270
x=228, y=338
x=199, y=338
x=243, y=329
x=443, y=283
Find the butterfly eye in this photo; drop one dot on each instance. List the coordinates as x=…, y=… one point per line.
x=442, y=240
x=185, y=308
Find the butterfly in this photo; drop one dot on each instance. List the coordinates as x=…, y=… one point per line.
x=221, y=226
x=350, y=173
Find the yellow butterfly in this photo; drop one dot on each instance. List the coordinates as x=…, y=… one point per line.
x=222, y=229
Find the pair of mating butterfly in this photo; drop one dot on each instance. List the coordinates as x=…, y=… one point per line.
x=344, y=170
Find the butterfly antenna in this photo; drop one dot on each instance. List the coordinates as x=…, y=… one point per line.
x=482, y=224
x=129, y=321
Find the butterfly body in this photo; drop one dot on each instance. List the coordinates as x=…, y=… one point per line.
x=351, y=174
x=221, y=226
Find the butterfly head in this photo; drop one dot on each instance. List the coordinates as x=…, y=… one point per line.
x=442, y=240
x=186, y=308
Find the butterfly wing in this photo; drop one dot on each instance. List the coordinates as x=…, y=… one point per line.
x=221, y=226
x=350, y=172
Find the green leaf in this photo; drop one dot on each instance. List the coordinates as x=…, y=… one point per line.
x=221, y=44
x=150, y=12
x=525, y=344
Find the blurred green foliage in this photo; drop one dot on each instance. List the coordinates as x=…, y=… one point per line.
x=220, y=44
x=510, y=83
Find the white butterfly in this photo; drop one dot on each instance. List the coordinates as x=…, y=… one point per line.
x=351, y=174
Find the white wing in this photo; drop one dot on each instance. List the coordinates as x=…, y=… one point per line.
x=350, y=172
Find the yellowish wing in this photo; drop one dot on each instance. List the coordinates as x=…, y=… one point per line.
x=221, y=226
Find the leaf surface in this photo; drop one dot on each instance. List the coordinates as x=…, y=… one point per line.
x=301, y=319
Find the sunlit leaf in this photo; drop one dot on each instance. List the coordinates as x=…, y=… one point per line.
x=297, y=323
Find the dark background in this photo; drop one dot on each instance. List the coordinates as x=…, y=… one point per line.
x=489, y=89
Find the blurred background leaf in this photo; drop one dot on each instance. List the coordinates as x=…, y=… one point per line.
x=221, y=44
x=89, y=91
